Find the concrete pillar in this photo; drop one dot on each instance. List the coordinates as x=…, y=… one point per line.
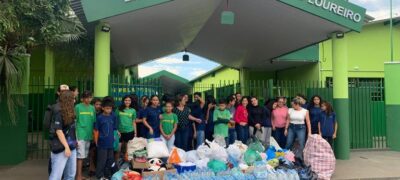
x=341, y=95
x=392, y=104
x=102, y=56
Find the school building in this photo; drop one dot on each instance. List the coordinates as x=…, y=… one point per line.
x=267, y=48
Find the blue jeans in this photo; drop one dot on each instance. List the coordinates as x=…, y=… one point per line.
x=200, y=138
x=232, y=135
x=296, y=131
x=279, y=136
x=60, y=164
x=242, y=133
x=181, y=138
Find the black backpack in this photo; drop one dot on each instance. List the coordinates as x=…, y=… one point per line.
x=48, y=116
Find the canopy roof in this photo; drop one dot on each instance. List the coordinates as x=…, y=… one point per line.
x=263, y=29
x=171, y=83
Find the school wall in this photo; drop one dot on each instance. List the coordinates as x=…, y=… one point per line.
x=225, y=75
x=367, y=52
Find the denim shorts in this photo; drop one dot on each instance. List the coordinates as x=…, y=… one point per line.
x=82, y=151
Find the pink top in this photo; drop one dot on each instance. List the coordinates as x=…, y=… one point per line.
x=241, y=114
x=279, y=117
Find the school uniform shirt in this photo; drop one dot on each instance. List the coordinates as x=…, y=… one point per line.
x=221, y=129
x=268, y=122
x=85, y=117
x=140, y=115
x=279, y=115
x=168, y=122
x=241, y=114
x=257, y=115
x=183, y=117
x=125, y=120
x=327, y=124
x=315, y=113
x=152, y=116
x=68, y=130
x=197, y=112
x=106, y=125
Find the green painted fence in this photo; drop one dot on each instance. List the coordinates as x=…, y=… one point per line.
x=366, y=96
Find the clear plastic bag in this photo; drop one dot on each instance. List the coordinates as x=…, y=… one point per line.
x=191, y=156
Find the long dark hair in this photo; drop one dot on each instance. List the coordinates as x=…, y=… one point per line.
x=248, y=100
x=134, y=101
x=209, y=100
x=311, y=103
x=178, y=99
x=142, y=99
x=67, y=107
x=269, y=104
x=329, y=108
x=122, y=106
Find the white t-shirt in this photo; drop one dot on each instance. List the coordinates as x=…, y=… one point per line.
x=297, y=117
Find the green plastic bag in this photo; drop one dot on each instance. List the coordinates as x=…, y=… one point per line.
x=116, y=141
x=217, y=166
x=256, y=145
x=251, y=156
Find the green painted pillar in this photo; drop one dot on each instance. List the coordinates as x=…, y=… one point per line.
x=102, y=56
x=392, y=101
x=243, y=79
x=341, y=96
x=14, y=135
x=270, y=88
x=49, y=69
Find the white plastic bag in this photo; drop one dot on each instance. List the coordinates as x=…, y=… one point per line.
x=241, y=146
x=203, y=152
x=202, y=163
x=191, y=156
x=182, y=154
x=219, y=140
x=218, y=152
x=156, y=148
x=234, y=152
x=135, y=144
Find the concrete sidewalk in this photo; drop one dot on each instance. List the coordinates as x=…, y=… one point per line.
x=362, y=165
x=369, y=165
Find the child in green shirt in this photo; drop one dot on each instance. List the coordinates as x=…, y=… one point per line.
x=221, y=120
x=168, y=126
x=126, y=117
x=85, y=118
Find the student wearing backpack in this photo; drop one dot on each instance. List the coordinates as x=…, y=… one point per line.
x=63, y=140
x=85, y=118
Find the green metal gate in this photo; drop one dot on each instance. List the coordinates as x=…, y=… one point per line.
x=41, y=94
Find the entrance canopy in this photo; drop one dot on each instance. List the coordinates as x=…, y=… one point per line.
x=263, y=30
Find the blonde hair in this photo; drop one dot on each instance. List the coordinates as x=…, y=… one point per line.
x=67, y=100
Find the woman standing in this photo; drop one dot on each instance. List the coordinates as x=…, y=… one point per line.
x=63, y=143
x=241, y=119
x=279, y=120
x=183, y=132
x=209, y=116
x=315, y=112
x=151, y=118
x=298, y=122
x=142, y=130
x=259, y=122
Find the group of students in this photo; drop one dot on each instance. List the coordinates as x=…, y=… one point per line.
x=88, y=129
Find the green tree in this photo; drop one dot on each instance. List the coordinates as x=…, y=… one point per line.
x=24, y=25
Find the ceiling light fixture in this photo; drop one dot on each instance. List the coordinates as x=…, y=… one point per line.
x=185, y=57
x=227, y=17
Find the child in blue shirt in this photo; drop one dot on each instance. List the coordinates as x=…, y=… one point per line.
x=327, y=123
x=105, y=125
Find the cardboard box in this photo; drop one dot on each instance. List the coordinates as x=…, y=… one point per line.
x=139, y=165
x=160, y=174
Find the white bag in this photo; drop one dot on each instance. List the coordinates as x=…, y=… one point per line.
x=191, y=156
x=218, y=152
x=203, y=152
x=181, y=153
x=135, y=144
x=156, y=148
x=202, y=163
x=241, y=146
x=234, y=152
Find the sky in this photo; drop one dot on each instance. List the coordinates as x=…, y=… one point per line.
x=379, y=9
